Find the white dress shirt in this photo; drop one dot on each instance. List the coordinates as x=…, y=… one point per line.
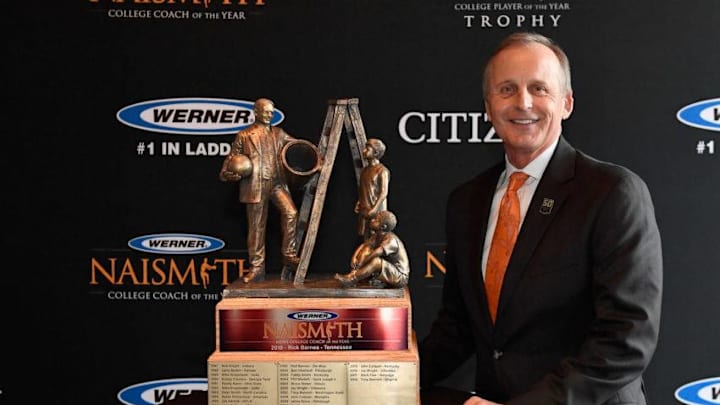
x=525, y=193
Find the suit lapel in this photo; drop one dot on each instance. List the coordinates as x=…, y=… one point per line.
x=477, y=210
x=546, y=202
x=254, y=137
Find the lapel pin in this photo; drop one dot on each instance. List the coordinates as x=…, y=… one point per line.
x=547, y=206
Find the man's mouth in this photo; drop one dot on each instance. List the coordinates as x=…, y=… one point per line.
x=524, y=121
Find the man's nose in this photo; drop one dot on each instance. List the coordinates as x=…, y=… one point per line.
x=524, y=99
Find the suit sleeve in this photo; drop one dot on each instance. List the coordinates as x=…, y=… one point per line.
x=450, y=341
x=626, y=264
x=284, y=136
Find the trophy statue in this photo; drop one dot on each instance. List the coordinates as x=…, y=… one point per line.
x=256, y=162
x=330, y=339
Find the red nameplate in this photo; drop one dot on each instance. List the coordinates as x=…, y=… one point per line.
x=284, y=329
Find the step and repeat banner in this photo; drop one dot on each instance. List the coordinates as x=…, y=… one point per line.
x=120, y=237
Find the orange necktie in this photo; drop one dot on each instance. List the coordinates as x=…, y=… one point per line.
x=503, y=240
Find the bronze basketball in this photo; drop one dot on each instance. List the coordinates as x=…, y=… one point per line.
x=240, y=165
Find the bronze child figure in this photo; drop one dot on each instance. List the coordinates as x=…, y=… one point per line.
x=381, y=256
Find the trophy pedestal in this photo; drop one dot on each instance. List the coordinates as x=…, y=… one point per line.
x=277, y=344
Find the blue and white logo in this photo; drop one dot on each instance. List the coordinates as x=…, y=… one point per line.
x=161, y=391
x=703, y=114
x=312, y=316
x=176, y=243
x=702, y=392
x=192, y=116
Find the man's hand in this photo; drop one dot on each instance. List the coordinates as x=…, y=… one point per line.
x=230, y=176
x=479, y=401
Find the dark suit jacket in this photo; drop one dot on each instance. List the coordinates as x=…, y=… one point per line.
x=579, y=311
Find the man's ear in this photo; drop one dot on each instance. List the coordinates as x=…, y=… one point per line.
x=569, y=104
x=487, y=110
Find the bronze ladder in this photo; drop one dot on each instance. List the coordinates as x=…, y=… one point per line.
x=341, y=113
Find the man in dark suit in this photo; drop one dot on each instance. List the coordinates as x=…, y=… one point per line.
x=579, y=310
x=262, y=143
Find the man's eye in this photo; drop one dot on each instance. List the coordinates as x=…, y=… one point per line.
x=506, y=90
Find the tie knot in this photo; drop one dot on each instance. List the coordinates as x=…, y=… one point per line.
x=517, y=179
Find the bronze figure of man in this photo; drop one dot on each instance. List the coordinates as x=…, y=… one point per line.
x=262, y=143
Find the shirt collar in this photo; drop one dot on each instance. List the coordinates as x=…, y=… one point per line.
x=534, y=169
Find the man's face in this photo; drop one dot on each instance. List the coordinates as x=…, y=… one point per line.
x=526, y=100
x=264, y=113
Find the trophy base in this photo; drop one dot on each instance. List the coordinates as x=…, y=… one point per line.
x=338, y=377
x=277, y=343
x=273, y=287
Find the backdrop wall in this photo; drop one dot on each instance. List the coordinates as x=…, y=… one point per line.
x=88, y=315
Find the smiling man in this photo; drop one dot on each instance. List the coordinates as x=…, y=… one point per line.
x=553, y=258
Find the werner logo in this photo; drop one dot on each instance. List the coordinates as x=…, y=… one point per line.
x=192, y=116
x=165, y=391
x=176, y=243
x=312, y=316
x=702, y=392
x=703, y=114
